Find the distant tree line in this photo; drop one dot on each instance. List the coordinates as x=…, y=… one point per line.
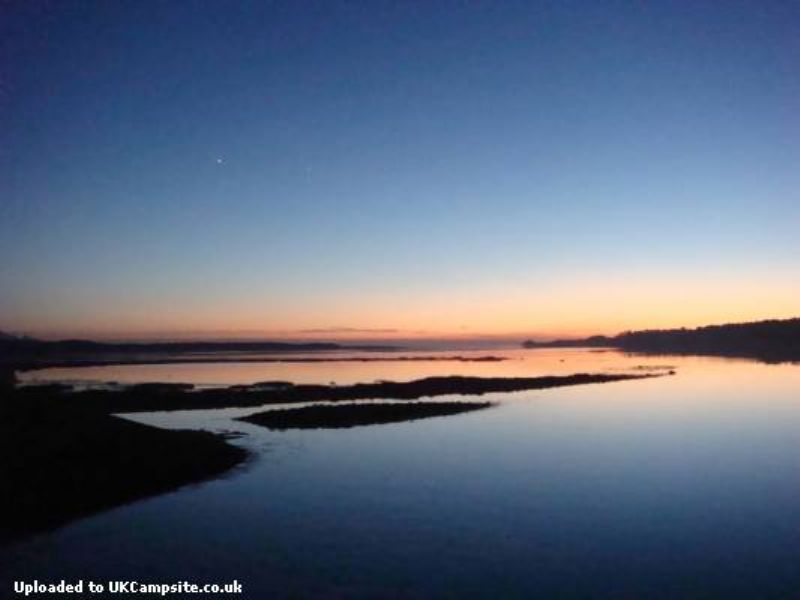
x=771, y=341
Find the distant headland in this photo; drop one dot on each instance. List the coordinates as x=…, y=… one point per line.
x=23, y=352
x=21, y=344
x=769, y=341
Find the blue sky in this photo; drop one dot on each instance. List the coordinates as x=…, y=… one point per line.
x=480, y=167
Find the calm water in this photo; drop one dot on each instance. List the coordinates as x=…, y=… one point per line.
x=676, y=487
x=517, y=363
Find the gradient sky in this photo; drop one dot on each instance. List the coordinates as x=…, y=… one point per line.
x=323, y=169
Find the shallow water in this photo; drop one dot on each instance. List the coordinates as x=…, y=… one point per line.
x=515, y=363
x=681, y=486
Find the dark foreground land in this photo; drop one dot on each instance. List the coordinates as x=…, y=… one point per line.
x=333, y=416
x=63, y=454
x=59, y=462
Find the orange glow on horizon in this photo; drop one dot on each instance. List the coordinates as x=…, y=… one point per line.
x=573, y=312
x=570, y=310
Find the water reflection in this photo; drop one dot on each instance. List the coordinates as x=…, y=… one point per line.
x=682, y=486
x=516, y=363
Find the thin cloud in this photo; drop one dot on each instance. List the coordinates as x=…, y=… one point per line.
x=325, y=330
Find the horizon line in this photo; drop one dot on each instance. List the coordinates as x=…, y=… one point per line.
x=340, y=335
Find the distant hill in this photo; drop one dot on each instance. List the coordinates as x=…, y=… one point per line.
x=90, y=346
x=14, y=349
x=771, y=341
x=596, y=341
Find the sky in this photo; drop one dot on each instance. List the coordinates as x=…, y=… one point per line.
x=361, y=169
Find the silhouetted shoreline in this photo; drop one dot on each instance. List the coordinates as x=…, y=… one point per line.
x=24, y=353
x=32, y=346
x=61, y=462
x=65, y=455
x=771, y=341
x=339, y=416
x=27, y=354
x=108, y=361
x=154, y=397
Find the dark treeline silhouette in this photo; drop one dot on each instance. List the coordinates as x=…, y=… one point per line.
x=769, y=341
x=338, y=416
